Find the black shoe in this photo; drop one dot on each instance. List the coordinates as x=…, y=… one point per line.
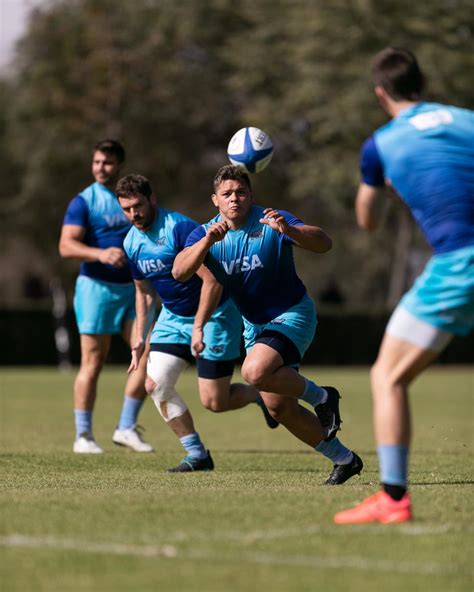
x=341, y=473
x=328, y=413
x=271, y=422
x=191, y=463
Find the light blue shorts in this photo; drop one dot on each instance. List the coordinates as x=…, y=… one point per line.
x=222, y=333
x=298, y=323
x=443, y=295
x=102, y=307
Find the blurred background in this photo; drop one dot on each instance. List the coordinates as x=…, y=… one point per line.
x=173, y=81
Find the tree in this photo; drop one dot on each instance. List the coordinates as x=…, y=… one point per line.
x=175, y=80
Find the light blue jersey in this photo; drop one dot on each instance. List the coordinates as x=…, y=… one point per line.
x=151, y=254
x=104, y=297
x=256, y=265
x=426, y=153
x=97, y=210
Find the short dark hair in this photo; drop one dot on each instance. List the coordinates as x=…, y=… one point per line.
x=131, y=185
x=232, y=173
x=397, y=71
x=111, y=147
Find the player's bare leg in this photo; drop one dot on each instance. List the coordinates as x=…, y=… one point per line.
x=398, y=364
x=127, y=433
x=94, y=350
x=163, y=373
x=219, y=395
x=298, y=420
x=263, y=368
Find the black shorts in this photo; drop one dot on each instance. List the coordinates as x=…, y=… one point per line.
x=282, y=344
x=205, y=368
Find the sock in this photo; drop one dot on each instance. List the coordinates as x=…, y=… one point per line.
x=396, y=492
x=83, y=422
x=393, y=461
x=313, y=394
x=193, y=445
x=335, y=451
x=130, y=410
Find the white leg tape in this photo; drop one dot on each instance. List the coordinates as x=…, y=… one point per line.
x=164, y=370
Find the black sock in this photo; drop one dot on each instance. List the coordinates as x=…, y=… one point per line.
x=396, y=492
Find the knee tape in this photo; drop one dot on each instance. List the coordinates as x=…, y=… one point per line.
x=164, y=370
x=169, y=404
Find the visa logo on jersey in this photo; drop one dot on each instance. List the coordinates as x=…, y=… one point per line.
x=115, y=220
x=151, y=265
x=238, y=265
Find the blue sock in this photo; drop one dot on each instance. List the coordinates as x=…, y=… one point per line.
x=193, y=445
x=130, y=410
x=83, y=422
x=393, y=461
x=313, y=394
x=335, y=451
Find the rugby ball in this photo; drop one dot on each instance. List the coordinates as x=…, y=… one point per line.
x=250, y=148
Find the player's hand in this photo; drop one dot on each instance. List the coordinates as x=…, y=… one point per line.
x=275, y=220
x=197, y=341
x=137, y=353
x=217, y=231
x=113, y=256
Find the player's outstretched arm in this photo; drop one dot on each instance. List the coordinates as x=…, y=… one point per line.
x=71, y=246
x=145, y=305
x=370, y=206
x=211, y=292
x=188, y=261
x=311, y=238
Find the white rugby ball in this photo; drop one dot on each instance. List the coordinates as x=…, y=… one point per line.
x=250, y=148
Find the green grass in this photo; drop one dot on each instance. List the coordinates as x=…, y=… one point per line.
x=261, y=521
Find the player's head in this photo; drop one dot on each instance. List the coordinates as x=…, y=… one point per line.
x=396, y=71
x=232, y=194
x=108, y=157
x=134, y=194
x=231, y=172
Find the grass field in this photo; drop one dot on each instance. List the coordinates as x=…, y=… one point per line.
x=261, y=521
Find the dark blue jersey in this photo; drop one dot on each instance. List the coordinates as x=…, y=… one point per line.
x=255, y=264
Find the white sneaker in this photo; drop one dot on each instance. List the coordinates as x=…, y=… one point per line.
x=132, y=438
x=86, y=444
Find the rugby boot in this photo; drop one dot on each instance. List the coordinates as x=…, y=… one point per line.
x=190, y=464
x=341, y=473
x=132, y=438
x=328, y=413
x=86, y=444
x=377, y=508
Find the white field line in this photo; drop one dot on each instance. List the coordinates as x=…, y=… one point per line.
x=247, y=537
x=18, y=540
x=168, y=551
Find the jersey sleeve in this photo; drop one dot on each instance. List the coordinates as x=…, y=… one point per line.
x=181, y=232
x=371, y=166
x=292, y=221
x=77, y=213
x=196, y=235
